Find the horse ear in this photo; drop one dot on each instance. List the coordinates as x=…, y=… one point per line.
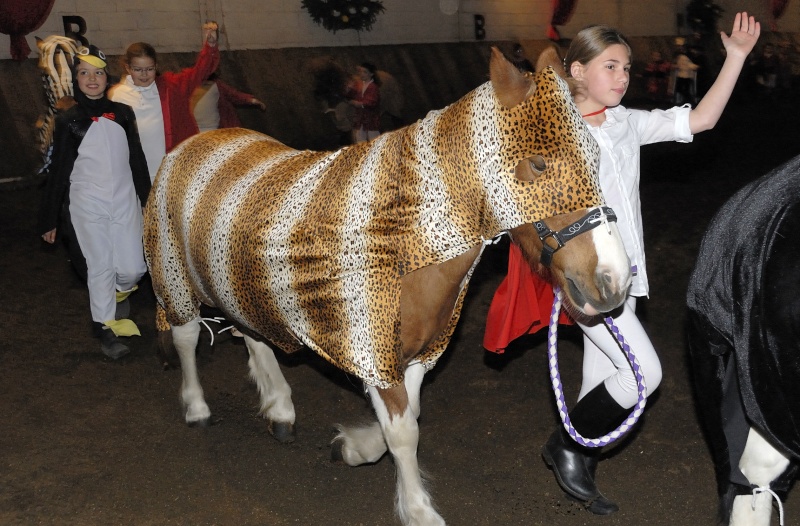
x=510, y=85
x=550, y=57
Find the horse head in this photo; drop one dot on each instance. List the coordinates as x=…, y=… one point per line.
x=550, y=162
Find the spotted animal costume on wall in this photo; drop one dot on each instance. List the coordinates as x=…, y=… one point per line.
x=307, y=248
x=56, y=56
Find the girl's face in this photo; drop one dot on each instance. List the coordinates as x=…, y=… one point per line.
x=92, y=81
x=142, y=71
x=363, y=73
x=605, y=77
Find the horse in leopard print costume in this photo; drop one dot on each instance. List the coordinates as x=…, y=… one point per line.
x=364, y=254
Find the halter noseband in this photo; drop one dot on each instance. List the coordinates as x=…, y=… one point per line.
x=593, y=218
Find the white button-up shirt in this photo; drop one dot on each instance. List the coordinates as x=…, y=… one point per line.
x=620, y=138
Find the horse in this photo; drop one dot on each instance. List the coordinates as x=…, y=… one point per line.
x=364, y=254
x=743, y=331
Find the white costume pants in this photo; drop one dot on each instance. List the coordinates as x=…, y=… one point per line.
x=107, y=216
x=113, y=251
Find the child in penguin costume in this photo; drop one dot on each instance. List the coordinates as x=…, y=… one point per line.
x=100, y=170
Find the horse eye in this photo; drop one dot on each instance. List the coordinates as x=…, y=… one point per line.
x=537, y=163
x=530, y=168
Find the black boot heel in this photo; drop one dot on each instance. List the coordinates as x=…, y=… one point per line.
x=566, y=458
x=573, y=465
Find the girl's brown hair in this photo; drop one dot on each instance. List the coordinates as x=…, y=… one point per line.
x=139, y=49
x=590, y=42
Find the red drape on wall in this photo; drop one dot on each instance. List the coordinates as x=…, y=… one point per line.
x=562, y=11
x=20, y=17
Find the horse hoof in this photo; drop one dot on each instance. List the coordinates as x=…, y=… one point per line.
x=203, y=422
x=337, y=451
x=283, y=432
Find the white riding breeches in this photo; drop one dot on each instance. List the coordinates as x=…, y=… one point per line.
x=604, y=360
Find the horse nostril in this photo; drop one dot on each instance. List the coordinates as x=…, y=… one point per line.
x=606, y=283
x=609, y=287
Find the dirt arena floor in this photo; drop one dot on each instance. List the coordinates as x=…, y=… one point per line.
x=88, y=441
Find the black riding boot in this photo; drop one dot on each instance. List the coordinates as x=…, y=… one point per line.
x=111, y=344
x=574, y=465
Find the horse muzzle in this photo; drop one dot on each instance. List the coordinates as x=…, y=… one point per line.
x=610, y=281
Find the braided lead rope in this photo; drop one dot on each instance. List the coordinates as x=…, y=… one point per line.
x=555, y=377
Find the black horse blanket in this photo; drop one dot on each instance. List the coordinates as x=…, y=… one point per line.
x=744, y=313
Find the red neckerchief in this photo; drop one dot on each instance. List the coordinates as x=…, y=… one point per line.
x=109, y=116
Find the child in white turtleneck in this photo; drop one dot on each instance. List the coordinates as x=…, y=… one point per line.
x=161, y=101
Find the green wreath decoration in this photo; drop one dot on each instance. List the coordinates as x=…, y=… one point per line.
x=334, y=15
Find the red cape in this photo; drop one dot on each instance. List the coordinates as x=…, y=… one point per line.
x=521, y=305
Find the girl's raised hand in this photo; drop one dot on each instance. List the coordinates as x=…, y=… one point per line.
x=210, y=33
x=744, y=35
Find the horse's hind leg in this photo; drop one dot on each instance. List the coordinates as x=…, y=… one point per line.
x=365, y=444
x=276, y=395
x=185, y=337
x=761, y=464
x=397, y=411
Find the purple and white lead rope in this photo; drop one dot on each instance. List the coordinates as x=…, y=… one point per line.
x=555, y=378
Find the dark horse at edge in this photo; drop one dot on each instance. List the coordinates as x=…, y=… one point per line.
x=744, y=341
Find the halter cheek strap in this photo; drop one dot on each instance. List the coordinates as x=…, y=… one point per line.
x=593, y=218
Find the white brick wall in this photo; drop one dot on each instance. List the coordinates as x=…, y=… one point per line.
x=173, y=25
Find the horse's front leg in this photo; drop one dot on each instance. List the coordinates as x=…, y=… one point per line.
x=397, y=409
x=184, y=338
x=276, y=395
x=761, y=463
x=365, y=444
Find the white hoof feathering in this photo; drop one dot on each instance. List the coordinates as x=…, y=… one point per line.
x=361, y=445
x=275, y=393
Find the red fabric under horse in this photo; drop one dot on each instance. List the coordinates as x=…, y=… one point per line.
x=521, y=305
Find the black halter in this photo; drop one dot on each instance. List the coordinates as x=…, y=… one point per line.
x=592, y=219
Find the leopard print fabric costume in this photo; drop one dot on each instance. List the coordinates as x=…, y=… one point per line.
x=308, y=248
